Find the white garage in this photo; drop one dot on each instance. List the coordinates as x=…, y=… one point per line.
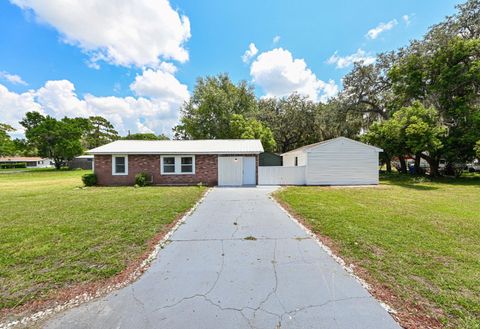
x=339, y=161
x=237, y=170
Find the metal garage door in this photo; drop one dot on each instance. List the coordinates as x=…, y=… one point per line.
x=230, y=171
x=249, y=171
x=236, y=171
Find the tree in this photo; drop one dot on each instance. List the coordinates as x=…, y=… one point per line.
x=367, y=88
x=23, y=148
x=252, y=129
x=58, y=140
x=208, y=113
x=386, y=135
x=477, y=149
x=411, y=130
x=99, y=132
x=331, y=121
x=447, y=78
x=291, y=120
x=7, y=146
x=146, y=136
x=422, y=133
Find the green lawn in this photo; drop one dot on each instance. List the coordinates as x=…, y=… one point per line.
x=54, y=234
x=420, y=239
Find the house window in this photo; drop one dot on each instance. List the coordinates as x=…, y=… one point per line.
x=120, y=165
x=177, y=165
x=169, y=165
x=296, y=161
x=187, y=165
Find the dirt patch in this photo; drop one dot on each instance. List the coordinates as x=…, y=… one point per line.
x=251, y=238
x=74, y=295
x=410, y=314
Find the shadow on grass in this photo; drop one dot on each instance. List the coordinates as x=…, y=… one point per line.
x=428, y=183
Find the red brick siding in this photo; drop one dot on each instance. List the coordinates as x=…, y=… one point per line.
x=206, y=170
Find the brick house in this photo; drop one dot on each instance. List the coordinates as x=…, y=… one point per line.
x=232, y=162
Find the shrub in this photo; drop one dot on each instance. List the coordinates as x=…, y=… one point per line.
x=142, y=179
x=89, y=179
x=13, y=165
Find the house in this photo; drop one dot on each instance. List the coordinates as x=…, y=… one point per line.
x=338, y=161
x=81, y=162
x=25, y=162
x=179, y=162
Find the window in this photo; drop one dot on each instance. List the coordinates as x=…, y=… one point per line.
x=296, y=161
x=169, y=165
x=187, y=165
x=120, y=165
x=177, y=165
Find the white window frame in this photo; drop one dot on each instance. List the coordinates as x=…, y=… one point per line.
x=178, y=164
x=114, y=160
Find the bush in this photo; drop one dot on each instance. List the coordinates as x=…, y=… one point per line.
x=89, y=179
x=142, y=179
x=13, y=165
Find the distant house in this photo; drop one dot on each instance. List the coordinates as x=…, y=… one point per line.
x=232, y=162
x=82, y=162
x=28, y=162
x=338, y=161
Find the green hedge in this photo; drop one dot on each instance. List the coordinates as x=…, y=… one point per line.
x=89, y=179
x=13, y=165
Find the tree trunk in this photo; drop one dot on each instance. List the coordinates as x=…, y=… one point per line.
x=434, y=172
x=418, y=170
x=389, y=165
x=58, y=164
x=433, y=162
x=403, y=164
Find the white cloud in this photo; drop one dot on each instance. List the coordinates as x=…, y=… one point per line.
x=139, y=33
x=13, y=106
x=159, y=84
x=12, y=78
x=406, y=19
x=276, y=39
x=249, y=53
x=158, y=112
x=279, y=75
x=382, y=27
x=345, y=61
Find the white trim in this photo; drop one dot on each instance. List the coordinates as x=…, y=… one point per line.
x=178, y=164
x=113, y=164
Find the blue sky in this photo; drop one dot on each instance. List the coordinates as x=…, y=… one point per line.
x=136, y=64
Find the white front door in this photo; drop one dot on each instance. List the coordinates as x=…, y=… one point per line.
x=230, y=171
x=249, y=171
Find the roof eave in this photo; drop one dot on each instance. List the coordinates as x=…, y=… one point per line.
x=160, y=153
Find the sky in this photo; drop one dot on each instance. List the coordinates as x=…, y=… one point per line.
x=135, y=62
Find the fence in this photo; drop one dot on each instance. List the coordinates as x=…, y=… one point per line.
x=277, y=175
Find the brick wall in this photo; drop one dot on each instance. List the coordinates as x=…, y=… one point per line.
x=206, y=170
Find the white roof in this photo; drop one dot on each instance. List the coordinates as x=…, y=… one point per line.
x=202, y=146
x=307, y=148
x=85, y=156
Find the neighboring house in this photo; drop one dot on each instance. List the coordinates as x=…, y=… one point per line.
x=338, y=161
x=270, y=159
x=179, y=162
x=82, y=162
x=30, y=162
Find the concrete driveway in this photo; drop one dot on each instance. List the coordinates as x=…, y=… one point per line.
x=238, y=262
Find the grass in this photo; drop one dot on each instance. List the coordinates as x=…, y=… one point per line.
x=419, y=238
x=54, y=234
